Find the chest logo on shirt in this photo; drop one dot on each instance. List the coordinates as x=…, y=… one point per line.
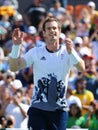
x=62, y=56
x=50, y=90
x=43, y=58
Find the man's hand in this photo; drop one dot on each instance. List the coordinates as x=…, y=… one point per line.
x=69, y=45
x=17, y=36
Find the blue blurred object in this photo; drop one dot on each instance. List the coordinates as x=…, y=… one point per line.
x=1, y=32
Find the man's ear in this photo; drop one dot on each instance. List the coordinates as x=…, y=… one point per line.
x=44, y=34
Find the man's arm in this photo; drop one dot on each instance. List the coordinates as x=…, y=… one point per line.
x=80, y=65
x=15, y=61
x=78, y=61
x=17, y=64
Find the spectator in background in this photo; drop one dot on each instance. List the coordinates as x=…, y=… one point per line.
x=2, y=75
x=57, y=10
x=78, y=44
x=93, y=34
x=72, y=78
x=8, y=77
x=75, y=116
x=72, y=99
x=67, y=22
x=5, y=22
x=28, y=94
x=3, y=122
x=9, y=7
x=18, y=22
x=26, y=76
x=10, y=121
x=64, y=3
x=86, y=46
x=1, y=54
x=95, y=121
x=97, y=67
x=62, y=39
x=5, y=100
x=94, y=43
x=1, y=89
x=2, y=60
x=91, y=75
x=83, y=24
x=93, y=13
x=35, y=13
x=83, y=94
x=14, y=85
x=33, y=39
x=13, y=3
x=17, y=108
x=3, y=34
x=91, y=118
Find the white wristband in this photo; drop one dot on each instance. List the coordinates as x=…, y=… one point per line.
x=15, y=51
x=74, y=57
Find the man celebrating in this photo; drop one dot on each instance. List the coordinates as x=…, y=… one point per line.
x=51, y=66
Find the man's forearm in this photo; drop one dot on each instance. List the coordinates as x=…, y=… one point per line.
x=77, y=60
x=16, y=64
x=15, y=61
x=80, y=66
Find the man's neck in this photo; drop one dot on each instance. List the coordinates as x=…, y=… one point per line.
x=52, y=50
x=52, y=46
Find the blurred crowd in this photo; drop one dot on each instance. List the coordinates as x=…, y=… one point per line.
x=16, y=88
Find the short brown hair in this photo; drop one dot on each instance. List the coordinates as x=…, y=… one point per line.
x=50, y=19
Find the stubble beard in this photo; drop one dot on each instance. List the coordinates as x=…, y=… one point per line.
x=52, y=40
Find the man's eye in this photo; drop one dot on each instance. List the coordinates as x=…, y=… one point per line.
x=54, y=28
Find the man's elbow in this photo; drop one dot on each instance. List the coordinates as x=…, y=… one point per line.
x=80, y=66
x=13, y=65
x=17, y=64
x=13, y=68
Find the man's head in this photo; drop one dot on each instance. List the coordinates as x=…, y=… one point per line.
x=51, y=29
x=51, y=19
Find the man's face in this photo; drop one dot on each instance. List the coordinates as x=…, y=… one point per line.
x=51, y=32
